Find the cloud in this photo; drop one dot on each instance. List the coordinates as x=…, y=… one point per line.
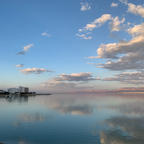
x=20, y=65
x=114, y=4
x=85, y=6
x=59, y=85
x=92, y=57
x=21, y=53
x=124, y=55
x=84, y=36
x=34, y=70
x=136, y=9
x=98, y=22
x=116, y=24
x=102, y=20
x=128, y=77
x=83, y=76
x=25, y=49
x=55, y=86
x=70, y=82
x=124, y=1
x=137, y=30
x=45, y=34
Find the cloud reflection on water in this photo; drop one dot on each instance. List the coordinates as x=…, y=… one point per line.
x=128, y=126
x=124, y=130
x=67, y=105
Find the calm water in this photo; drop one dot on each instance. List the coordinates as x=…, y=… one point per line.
x=72, y=119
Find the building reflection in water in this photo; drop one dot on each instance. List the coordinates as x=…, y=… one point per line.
x=15, y=98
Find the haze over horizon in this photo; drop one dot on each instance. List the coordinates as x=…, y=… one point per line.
x=77, y=45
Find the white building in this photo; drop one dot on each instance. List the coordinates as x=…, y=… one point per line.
x=18, y=90
x=23, y=89
x=1, y=91
x=13, y=90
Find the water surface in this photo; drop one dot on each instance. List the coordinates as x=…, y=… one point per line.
x=72, y=119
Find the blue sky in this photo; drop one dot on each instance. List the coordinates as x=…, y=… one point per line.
x=58, y=53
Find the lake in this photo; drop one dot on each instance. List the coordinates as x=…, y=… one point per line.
x=72, y=119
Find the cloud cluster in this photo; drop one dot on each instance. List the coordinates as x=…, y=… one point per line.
x=124, y=55
x=115, y=25
x=25, y=49
x=85, y=6
x=83, y=76
x=128, y=77
x=34, y=70
x=70, y=82
x=134, y=9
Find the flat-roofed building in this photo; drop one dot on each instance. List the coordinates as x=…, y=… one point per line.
x=23, y=90
x=18, y=90
x=13, y=90
x=1, y=91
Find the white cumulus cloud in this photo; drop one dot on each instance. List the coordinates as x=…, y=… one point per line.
x=98, y=22
x=124, y=55
x=136, y=9
x=115, y=23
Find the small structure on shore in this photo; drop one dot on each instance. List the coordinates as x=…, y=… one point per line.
x=13, y=90
x=20, y=90
x=23, y=90
x=1, y=91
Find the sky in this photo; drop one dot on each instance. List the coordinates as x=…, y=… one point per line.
x=71, y=45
